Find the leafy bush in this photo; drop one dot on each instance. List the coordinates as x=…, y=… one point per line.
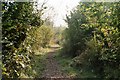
x=17, y=19
x=92, y=38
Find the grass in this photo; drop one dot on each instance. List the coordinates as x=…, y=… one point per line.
x=73, y=71
x=38, y=65
x=64, y=62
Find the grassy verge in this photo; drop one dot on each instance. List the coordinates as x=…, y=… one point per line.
x=72, y=71
x=37, y=64
x=64, y=62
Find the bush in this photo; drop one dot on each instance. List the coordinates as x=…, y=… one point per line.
x=92, y=38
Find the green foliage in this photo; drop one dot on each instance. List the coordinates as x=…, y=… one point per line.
x=17, y=21
x=77, y=32
x=93, y=37
x=46, y=34
x=39, y=37
x=58, y=37
x=37, y=66
x=68, y=66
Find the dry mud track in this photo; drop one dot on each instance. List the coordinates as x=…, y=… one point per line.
x=52, y=70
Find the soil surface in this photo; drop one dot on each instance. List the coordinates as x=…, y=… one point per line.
x=52, y=69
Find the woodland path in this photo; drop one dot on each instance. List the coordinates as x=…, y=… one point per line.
x=52, y=69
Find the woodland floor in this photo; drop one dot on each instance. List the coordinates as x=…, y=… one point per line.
x=52, y=67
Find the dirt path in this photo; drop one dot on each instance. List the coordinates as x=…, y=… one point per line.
x=52, y=69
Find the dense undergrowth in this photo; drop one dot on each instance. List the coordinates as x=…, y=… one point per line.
x=23, y=35
x=66, y=64
x=92, y=39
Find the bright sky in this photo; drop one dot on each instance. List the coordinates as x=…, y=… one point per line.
x=61, y=8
